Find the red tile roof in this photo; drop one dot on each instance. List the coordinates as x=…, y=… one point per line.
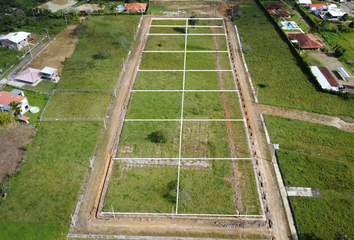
x=285, y=14
x=331, y=80
x=6, y=98
x=277, y=6
x=318, y=5
x=306, y=40
x=24, y=118
x=135, y=7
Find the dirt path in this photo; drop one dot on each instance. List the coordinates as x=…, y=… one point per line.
x=307, y=116
x=275, y=215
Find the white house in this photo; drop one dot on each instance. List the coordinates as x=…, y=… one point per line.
x=304, y=2
x=331, y=11
x=16, y=40
x=7, y=98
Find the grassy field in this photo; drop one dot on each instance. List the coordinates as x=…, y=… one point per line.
x=208, y=81
x=85, y=70
x=9, y=57
x=159, y=81
x=162, y=61
x=78, y=105
x=165, y=43
x=40, y=202
x=45, y=87
x=344, y=39
x=276, y=71
x=321, y=157
x=321, y=218
x=135, y=140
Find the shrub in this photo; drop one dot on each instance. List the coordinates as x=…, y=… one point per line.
x=6, y=118
x=102, y=54
x=161, y=136
x=340, y=52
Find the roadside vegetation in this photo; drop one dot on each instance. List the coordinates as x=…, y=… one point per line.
x=276, y=71
x=320, y=157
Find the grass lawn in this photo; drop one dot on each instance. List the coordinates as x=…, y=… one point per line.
x=155, y=105
x=205, y=140
x=34, y=100
x=45, y=87
x=84, y=70
x=140, y=189
x=168, y=30
x=165, y=43
x=136, y=140
x=195, y=30
x=205, y=190
x=46, y=190
x=200, y=61
x=162, y=61
x=301, y=170
x=159, y=81
x=209, y=81
x=200, y=43
x=203, y=105
x=168, y=22
x=277, y=72
x=312, y=139
x=321, y=218
x=9, y=57
x=78, y=105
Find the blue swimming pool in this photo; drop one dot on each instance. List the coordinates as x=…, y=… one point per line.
x=289, y=26
x=121, y=8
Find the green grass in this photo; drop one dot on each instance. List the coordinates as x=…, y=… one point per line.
x=165, y=43
x=159, y=81
x=299, y=22
x=301, y=170
x=205, y=140
x=34, y=100
x=9, y=57
x=46, y=190
x=162, y=61
x=168, y=30
x=140, y=189
x=208, y=81
x=168, y=22
x=155, y=105
x=203, y=105
x=194, y=30
x=200, y=61
x=200, y=43
x=205, y=190
x=312, y=139
x=84, y=70
x=78, y=105
x=135, y=142
x=45, y=87
x=321, y=218
x=272, y=66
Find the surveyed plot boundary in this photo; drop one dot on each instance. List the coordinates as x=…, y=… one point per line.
x=175, y=213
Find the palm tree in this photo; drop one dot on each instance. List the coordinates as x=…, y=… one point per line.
x=16, y=107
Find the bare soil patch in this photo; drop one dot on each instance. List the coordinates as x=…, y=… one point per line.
x=12, y=139
x=89, y=6
x=56, y=52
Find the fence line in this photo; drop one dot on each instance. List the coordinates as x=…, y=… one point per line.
x=46, y=105
x=73, y=119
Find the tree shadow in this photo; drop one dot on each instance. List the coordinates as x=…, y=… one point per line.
x=179, y=30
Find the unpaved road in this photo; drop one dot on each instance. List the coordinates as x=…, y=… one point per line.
x=307, y=116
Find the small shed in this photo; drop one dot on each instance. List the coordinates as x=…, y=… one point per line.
x=25, y=119
x=343, y=73
x=48, y=73
x=322, y=80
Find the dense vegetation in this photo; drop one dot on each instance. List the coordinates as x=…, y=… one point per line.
x=276, y=69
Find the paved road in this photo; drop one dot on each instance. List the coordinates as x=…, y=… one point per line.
x=13, y=71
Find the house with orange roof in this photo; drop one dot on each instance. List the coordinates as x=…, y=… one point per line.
x=7, y=98
x=135, y=7
x=306, y=40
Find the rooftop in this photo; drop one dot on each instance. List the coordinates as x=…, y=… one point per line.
x=6, y=98
x=306, y=40
x=273, y=5
x=322, y=80
x=327, y=74
x=16, y=36
x=135, y=7
x=30, y=75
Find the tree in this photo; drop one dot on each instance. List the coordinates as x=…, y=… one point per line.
x=193, y=20
x=340, y=52
x=60, y=13
x=101, y=5
x=5, y=118
x=351, y=25
x=161, y=136
x=102, y=54
x=345, y=17
x=326, y=25
x=16, y=107
x=20, y=14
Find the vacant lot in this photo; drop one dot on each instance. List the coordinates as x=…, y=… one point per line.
x=206, y=186
x=57, y=51
x=276, y=71
x=320, y=157
x=9, y=57
x=13, y=138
